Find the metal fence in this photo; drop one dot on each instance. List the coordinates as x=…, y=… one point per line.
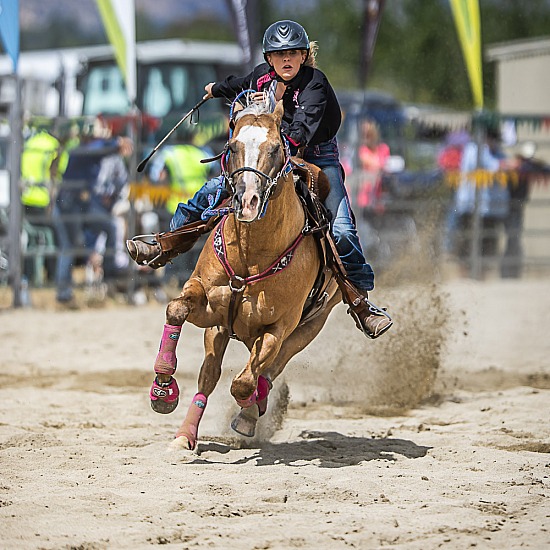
x=411, y=222
x=406, y=228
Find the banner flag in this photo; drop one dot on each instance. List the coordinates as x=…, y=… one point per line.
x=467, y=21
x=9, y=29
x=119, y=18
x=372, y=15
x=239, y=13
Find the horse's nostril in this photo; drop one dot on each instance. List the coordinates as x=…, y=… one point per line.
x=254, y=201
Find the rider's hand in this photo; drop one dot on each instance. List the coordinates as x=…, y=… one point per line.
x=125, y=146
x=258, y=97
x=208, y=90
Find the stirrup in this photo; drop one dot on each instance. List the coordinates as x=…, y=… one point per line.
x=362, y=310
x=151, y=240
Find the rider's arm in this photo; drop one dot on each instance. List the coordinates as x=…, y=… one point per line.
x=317, y=113
x=233, y=85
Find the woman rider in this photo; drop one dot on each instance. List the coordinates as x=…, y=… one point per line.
x=312, y=117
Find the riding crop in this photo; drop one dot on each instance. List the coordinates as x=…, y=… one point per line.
x=144, y=162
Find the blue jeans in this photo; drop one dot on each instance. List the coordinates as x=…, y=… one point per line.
x=192, y=210
x=69, y=235
x=326, y=157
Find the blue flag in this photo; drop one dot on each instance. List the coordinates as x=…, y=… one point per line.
x=9, y=29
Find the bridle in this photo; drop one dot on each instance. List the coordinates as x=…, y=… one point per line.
x=271, y=181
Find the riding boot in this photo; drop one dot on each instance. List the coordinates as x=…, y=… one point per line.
x=141, y=252
x=157, y=250
x=370, y=319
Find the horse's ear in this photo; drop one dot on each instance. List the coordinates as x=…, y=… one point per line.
x=279, y=112
x=236, y=109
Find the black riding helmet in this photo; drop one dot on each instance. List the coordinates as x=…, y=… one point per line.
x=285, y=35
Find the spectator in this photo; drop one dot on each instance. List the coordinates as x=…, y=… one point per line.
x=373, y=155
x=42, y=161
x=528, y=169
x=450, y=157
x=494, y=198
x=180, y=168
x=449, y=160
x=93, y=182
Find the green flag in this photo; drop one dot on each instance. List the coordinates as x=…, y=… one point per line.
x=467, y=21
x=120, y=25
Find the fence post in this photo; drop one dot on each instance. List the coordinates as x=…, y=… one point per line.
x=134, y=133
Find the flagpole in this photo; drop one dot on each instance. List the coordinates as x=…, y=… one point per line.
x=476, y=256
x=134, y=133
x=15, y=214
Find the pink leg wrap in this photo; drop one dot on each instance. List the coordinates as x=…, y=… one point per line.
x=261, y=393
x=166, y=361
x=190, y=426
x=167, y=393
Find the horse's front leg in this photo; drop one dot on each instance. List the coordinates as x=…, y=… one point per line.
x=249, y=387
x=215, y=344
x=164, y=392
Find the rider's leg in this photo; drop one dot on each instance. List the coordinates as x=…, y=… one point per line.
x=373, y=321
x=103, y=221
x=210, y=195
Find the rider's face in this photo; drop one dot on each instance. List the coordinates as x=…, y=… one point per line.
x=287, y=63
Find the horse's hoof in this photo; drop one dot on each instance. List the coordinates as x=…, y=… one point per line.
x=245, y=422
x=164, y=407
x=182, y=443
x=164, y=397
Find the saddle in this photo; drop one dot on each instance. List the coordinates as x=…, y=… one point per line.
x=313, y=186
x=313, y=177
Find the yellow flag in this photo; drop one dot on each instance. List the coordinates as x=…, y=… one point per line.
x=466, y=16
x=119, y=19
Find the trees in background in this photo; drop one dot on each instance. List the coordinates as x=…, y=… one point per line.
x=417, y=57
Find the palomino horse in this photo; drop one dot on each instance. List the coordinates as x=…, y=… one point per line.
x=251, y=280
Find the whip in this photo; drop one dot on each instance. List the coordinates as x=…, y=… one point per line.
x=144, y=162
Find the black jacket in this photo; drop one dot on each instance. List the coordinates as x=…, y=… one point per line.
x=312, y=113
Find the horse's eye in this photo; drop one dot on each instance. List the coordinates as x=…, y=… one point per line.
x=232, y=146
x=274, y=150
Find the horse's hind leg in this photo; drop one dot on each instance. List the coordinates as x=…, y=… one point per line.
x=215, y=344
x=164, y=393
x=245, y=422
x=301, y=338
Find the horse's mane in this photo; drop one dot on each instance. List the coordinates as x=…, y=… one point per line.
x=251, y=107
x=255, y=109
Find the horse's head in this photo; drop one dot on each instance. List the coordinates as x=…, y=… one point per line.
x=257, y=159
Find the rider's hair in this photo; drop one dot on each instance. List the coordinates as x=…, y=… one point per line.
x=311, y=60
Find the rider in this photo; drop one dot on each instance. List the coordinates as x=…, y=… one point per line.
x=312, y=117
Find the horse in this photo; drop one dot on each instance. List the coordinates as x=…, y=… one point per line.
x=251, y=280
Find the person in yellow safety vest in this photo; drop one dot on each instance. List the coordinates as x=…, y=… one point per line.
x=180, y=167
x=40, y=164
x=43, y=160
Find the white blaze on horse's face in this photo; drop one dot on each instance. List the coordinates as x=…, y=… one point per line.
x=252, y=138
